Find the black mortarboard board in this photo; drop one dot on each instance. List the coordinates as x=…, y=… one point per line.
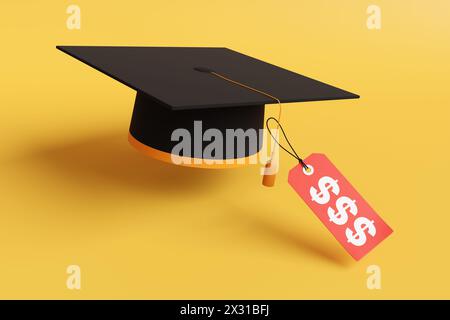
x=175, y=88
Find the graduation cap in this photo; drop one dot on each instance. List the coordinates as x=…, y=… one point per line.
x=176, y=89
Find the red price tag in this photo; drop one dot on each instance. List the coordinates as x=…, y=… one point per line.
x=338, y=205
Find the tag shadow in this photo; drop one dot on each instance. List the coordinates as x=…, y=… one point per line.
x=294, y=237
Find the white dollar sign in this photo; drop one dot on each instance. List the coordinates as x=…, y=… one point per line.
x=323, y=196
x=358, y=238
x=342, y=204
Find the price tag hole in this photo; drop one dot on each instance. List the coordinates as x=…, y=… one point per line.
x=308, y=171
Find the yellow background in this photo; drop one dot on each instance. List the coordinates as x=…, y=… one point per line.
x=74, y=192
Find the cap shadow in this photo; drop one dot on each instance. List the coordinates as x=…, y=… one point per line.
x=294, y=238
x=107, y=160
